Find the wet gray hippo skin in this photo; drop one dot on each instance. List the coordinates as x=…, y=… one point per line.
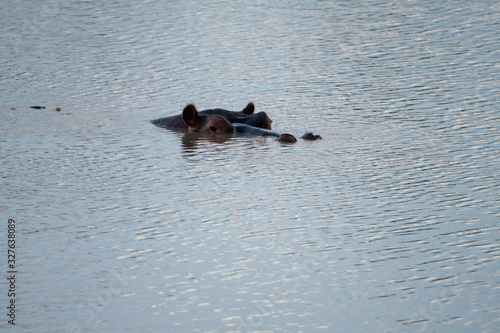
x=249, y=130
x=245, y=116
x=218, y=124
x=214, y=121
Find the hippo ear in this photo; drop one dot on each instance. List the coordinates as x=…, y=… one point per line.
x=190, y=115
x=249, y=109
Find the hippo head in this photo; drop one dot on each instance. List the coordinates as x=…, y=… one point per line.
x=205, y=123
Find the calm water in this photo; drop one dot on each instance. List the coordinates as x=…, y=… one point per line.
x=388, y=224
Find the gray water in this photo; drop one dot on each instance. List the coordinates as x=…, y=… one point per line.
x=388, y=224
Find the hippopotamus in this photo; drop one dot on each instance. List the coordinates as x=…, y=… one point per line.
x=220, y=121
x=245, y=116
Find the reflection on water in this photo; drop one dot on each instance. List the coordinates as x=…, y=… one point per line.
x=388, y=224
x=190, y=141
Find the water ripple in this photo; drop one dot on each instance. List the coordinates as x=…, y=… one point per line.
x=391, y=218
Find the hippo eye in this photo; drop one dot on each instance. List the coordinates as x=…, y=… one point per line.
x=212, y=129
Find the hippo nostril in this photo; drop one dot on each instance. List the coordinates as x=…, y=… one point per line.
x=286, y=138
x=213, y=129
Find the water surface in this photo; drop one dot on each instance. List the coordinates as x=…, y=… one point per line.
x=388, y=224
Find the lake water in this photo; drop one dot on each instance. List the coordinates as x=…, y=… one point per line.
x=388, y=224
